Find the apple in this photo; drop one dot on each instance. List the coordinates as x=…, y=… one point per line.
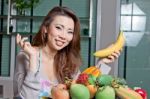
x=60, y=92
x=105, y=92
x=142, y=92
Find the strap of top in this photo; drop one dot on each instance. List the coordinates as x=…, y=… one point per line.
x=40, y=59
x=39, y=62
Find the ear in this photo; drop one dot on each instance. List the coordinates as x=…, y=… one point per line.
x=44, y=29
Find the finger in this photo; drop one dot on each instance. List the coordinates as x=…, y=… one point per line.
x=18, y=38
x=24, y=38
x=107, y=60
x=22, y=41
x=26, y=44
x=116, y=54
x=111, y=58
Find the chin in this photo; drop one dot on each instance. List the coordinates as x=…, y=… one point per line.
x=58, y=48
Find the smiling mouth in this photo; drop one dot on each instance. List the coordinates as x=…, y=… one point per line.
x=59, y=43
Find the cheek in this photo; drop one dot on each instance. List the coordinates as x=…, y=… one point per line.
x=70, y=38
x=52, y=32
x=52, y=35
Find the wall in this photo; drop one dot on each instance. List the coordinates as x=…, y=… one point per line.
x=108, y=26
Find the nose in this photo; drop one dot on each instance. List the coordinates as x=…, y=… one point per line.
x=63, y=35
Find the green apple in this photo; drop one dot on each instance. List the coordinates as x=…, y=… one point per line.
x=79, y=91
x=105, y=92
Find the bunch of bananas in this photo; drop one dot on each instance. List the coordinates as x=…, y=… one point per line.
x=117, y=46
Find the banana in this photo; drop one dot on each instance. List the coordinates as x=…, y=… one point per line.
x=127, y=93
x=115, y=47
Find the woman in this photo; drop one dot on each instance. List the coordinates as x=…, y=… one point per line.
x=53, y=55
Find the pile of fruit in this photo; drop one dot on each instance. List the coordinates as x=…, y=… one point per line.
x=91, y=84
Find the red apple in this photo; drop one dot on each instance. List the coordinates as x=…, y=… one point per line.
x=142, y=92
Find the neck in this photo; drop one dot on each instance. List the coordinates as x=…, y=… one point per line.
x=48, y=52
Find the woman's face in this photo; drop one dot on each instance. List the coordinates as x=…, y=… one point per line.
x=60, y=32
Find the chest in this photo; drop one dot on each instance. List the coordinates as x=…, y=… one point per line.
x=48, y=69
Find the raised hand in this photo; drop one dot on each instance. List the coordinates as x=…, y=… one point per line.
x=111, y=58
x=25, y=45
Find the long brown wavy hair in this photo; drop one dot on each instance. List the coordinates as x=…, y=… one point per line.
x=67, y=60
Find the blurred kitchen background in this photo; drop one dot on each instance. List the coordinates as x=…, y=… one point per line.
x=101, y=21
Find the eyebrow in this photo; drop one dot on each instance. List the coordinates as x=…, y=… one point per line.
x=63, y=26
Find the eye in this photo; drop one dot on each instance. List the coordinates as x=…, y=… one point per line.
x=70, y=32
x=58, y=27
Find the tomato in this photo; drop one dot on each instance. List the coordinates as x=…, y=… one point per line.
x=142, y=92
